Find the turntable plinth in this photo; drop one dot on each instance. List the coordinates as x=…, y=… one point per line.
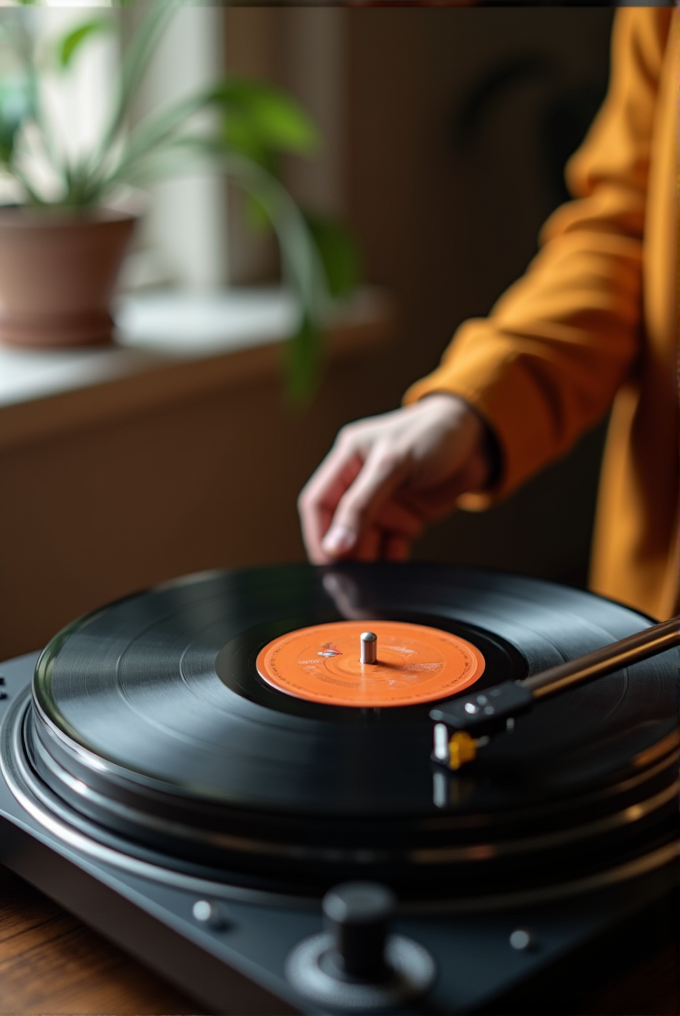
x=148, y=764
x=51, y=962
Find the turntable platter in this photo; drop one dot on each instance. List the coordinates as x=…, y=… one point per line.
x=157, y=719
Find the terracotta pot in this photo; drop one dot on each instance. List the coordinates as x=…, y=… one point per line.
x=58, y=273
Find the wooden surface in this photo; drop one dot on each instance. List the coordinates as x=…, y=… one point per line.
x=52, y=963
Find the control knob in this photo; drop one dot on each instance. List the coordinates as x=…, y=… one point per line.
x=357, y=964
x=357, y=918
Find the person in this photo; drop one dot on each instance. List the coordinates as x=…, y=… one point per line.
x=592, y=323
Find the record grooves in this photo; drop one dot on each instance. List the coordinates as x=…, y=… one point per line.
x=151, y=726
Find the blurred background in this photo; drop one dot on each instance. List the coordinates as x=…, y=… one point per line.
x=445, y=133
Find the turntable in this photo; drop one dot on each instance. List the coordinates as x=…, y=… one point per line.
x=306, y=789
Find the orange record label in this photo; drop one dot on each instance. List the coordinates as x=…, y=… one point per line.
x=414, y=664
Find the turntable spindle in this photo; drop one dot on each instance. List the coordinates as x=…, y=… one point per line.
x=369, y=647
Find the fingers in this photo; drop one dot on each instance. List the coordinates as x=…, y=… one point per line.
x=319, y=500
x=350, y=506
x=396, y=547
x=379, y=545
x=350, y=531
x=368, y=547
x=320, y=496
x=387, y=476
x=347, y=510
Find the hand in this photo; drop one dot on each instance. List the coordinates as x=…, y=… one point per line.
x=388, y=477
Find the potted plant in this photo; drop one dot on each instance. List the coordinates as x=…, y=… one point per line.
x=65, y=230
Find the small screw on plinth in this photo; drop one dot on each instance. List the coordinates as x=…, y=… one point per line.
x=209, y=914
x=521, y=940
x=369, y=647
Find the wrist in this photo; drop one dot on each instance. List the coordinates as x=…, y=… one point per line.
x=484, y=445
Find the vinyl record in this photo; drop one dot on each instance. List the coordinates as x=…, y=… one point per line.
x=155, y=721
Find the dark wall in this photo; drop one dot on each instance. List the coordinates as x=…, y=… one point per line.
x=459, y=123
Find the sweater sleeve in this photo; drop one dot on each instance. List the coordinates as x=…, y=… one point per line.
x=547, y=362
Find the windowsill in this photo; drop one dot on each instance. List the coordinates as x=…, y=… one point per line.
x=171, y=345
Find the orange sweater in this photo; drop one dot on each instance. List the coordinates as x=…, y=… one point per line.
x=593, y=322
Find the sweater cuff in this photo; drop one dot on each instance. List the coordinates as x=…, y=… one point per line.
x=510, y=403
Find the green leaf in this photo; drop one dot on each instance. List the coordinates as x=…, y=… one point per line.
x=240, y=134
x=152, y=24
x=302, y=271
x=338, y=251
x=259, y=118
x=17, y=105
x=303, y=362
x=69, y=44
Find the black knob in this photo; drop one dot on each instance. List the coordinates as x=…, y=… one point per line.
x=357, y=916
